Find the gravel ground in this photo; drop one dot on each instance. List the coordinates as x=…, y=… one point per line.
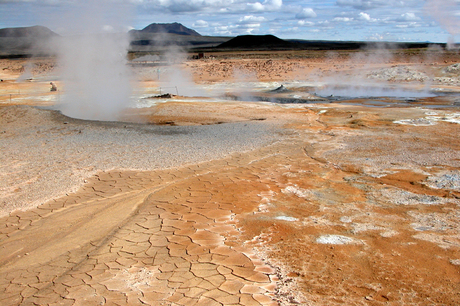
x=45, y=154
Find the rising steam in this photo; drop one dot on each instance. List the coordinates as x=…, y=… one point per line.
x=94, y=72
x=444, y=12
x=178, y=77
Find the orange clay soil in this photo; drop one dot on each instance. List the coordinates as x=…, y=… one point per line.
x=347, y=207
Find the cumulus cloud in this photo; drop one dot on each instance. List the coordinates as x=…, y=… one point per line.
x=223, y=30
x=200, y=24
x=364, y=16
x=256, y=6
x=374, y=4
x=251, y=19
x=408, y=17
x=349, y=17
x=376, y=37
x=250, y=23
x=305, y=23
x=343, y=19
x=306, y=13
x=362, y=4
x=408, y=25
x=267, y=5
x=184, y=6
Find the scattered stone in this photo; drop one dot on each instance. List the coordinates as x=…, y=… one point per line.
x=403, y=197
x=280, y=89
x=163, y=96
x=455, y=262
x=445, y=180
x=398, y=73
x=454, y=68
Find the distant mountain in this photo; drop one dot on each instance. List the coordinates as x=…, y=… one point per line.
x=163, y=36
x=34, y=32
x=170, y=28
x=26, y=41
x=256, y=42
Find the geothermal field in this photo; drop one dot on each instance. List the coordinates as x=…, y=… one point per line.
x=235, y=178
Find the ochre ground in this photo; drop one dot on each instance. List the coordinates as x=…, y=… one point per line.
x=247, y=229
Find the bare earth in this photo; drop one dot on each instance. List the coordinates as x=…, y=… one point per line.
x=235, y=202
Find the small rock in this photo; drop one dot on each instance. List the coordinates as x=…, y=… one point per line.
x=455, y=262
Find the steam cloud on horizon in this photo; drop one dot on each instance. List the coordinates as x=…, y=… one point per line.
x=444, y=12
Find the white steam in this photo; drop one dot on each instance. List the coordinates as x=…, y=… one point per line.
x=97, y=82
x=369, y=73
x=445, y=13
x=95, y=76
x=176, y=77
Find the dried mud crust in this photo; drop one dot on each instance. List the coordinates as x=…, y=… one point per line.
x=308, y=220
x=46, y=154
x=156, y=238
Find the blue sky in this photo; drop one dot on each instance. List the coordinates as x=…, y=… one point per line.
x=369, y=20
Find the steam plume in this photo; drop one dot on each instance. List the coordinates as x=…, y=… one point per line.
x=94, y=71
x=443, y=11
x=178, y=77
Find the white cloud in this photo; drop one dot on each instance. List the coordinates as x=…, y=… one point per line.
x=407, y=17
x=305, y=23
x=362, y=4
x=249, y=24
x=364, y=16
x=258, y=7
x=343, y=19
x=251, y=19
x=267, y=5
x=201, y=24
x=184, y=6
x=223, y=30
x=408, y=25
x=306, y=13
x=352, y=17
x=374, y=4
x=376, y=37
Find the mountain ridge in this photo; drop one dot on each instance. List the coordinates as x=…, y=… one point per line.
x=170, y=28
x=33, y=31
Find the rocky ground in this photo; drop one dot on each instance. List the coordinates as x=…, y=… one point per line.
x=236, y=203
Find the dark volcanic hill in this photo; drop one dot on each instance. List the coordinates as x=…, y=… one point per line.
x=35, y=31
x=259, y=42
x=26, y=41
x=170, y=28
x=163, y=36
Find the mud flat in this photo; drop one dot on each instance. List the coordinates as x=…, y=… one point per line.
x=232, y=203
x=47, y=155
